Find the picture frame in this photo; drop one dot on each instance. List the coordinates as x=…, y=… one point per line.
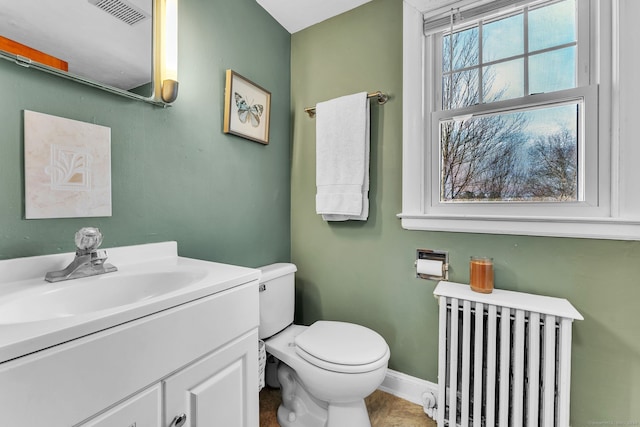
x=247, y=108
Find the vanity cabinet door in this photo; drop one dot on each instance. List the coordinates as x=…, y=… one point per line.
x=142, y=410
x=219, y=390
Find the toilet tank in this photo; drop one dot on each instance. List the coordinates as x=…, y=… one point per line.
x=277, y=298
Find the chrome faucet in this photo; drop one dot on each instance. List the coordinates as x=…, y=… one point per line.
x=89, y=261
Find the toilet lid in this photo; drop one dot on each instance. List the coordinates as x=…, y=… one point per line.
x=342, y=343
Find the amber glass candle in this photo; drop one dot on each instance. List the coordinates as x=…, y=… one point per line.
x=481, y=274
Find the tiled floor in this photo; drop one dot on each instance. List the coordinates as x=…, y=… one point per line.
x=385, y=410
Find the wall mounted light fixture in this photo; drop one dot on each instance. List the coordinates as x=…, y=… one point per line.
x=167, y=52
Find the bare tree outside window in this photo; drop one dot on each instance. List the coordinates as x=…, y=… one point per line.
x=554, y=167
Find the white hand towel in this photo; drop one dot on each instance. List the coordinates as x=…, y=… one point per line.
x=342, y=158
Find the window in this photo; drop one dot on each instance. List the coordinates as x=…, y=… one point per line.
x=520, y=152
x=510, y=129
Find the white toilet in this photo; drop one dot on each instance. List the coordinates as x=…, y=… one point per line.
x=326, y=369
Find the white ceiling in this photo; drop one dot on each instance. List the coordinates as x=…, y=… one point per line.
x=295, y=15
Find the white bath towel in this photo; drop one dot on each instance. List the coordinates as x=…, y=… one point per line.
x=342, y=158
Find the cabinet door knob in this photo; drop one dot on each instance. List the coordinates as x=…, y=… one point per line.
x=179, y=420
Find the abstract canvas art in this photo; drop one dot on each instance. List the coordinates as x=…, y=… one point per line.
x=67, y=167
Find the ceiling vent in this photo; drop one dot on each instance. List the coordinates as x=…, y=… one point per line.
x=121, y=9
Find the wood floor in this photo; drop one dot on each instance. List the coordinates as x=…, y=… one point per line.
x=385, y=410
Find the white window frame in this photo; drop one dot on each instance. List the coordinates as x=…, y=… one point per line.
x=604, y=214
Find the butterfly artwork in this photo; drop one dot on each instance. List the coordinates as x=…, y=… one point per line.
x=247, y=108
x=248, y=112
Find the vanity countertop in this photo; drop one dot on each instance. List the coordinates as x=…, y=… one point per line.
x=22, y=280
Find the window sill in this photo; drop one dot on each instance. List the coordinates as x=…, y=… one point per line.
x=587, y=228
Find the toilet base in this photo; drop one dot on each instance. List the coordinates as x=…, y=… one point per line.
x=348, y=414
x=300, y=409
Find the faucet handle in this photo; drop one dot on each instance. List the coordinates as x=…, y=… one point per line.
x=88, y=239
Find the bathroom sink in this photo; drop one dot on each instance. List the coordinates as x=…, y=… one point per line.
x=94, y=294
x=151, y=278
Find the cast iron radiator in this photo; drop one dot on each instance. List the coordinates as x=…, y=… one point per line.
x=504, y=359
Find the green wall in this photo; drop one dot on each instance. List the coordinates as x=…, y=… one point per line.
x=363, y=271
x=175, y=174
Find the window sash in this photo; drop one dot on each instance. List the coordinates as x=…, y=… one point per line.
x=589, y=204
x=480, y=185
x=584, y=60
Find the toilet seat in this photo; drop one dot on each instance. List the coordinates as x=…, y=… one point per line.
x=342, y=347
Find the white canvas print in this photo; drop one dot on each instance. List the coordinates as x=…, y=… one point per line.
x=67, y=167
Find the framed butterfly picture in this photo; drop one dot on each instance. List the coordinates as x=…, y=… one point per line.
x=247, y=108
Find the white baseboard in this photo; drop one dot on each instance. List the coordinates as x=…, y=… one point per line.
x=415, y=390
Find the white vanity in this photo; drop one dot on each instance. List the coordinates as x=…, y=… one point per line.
x=164, y=341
